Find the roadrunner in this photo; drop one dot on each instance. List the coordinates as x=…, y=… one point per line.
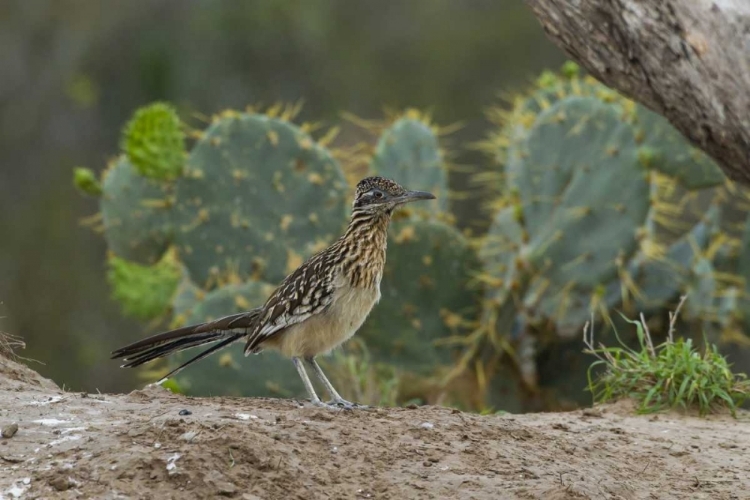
x=315, y=309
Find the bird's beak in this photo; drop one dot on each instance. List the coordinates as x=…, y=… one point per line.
x=410, y=196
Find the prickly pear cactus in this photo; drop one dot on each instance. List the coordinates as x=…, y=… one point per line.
x=661, y=147
x=261, y=179
x=744, y=261
x=499, y=253
x=426, y=296
x=744, y=272
x=409, y=152
x=229, y=372
x=135, y=213
x=549, y=88
x=595, y=189
x=186, y=295
x=584, y=196
x=259, y=196
x=658, y=281
x=665, y=149
x=701, y=288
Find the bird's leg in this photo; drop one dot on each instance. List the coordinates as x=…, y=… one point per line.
x=314, y=399
x=337, y=399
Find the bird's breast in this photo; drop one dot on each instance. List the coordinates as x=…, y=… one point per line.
x=323, y=332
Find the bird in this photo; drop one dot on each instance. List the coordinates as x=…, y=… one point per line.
x=314, y=309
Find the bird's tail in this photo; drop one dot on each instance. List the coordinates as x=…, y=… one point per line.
x=223, y=331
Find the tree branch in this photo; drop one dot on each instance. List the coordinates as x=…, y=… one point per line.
x=688, y=60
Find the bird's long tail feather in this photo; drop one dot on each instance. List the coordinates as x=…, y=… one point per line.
x=202, y=355
x=223, y=330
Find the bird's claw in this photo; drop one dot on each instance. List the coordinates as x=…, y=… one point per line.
x=338, y=405
x=346, y=405
x=320, y=404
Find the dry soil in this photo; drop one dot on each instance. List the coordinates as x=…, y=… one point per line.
x=153, y=444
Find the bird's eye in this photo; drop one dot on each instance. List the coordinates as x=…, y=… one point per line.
x=378, y=194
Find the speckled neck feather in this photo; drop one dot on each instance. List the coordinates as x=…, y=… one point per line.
x=363, y=247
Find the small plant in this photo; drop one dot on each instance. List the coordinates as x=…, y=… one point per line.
x=665, y=376
x=8, y=344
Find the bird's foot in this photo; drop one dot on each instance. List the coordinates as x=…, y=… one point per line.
x=346, y=405
x=320, y=404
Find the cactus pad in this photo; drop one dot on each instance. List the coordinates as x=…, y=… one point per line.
x=154, y=142
x=701, y=291
x=259, y=196
x=663, y=148
x=584, y=197
x=135, y=212
x=409, y=153
x=659, y=281
x=499, y=255
x=187, y=295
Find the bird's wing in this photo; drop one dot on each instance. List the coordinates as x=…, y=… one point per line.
x=304, y=293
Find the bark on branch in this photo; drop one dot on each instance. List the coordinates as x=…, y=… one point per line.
x=688, y=60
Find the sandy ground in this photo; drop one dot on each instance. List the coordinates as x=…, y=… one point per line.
x=154, y=444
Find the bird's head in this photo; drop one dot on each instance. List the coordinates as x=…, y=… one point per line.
x=378, y=194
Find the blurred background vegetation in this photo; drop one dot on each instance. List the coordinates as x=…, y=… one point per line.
x=74, y=71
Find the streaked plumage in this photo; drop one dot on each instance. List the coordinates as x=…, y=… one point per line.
x=314, y=309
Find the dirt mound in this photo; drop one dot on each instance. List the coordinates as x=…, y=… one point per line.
x=16, y=377
x=154, y=444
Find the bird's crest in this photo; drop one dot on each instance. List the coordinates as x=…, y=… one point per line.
x=369, y=183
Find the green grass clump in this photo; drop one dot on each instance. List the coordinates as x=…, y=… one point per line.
x=672, y=374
